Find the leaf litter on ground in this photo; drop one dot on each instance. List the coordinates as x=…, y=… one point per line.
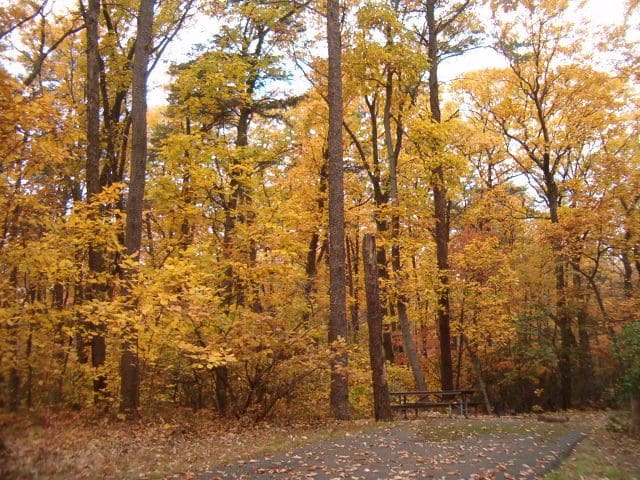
x=82, y=445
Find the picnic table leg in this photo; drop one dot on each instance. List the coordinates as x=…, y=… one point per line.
x=465, y=400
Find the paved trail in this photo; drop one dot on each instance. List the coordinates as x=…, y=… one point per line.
x=516, y=450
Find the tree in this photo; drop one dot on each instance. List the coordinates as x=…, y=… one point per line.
x=129, y=370
x=549, y=110
x=16, y=16
x=213, y=281
x=339, y=395
x=448, y=34
x=96, y=258
x=385, y=80
x=381, y=401
x=218, y=99
x=630, y=356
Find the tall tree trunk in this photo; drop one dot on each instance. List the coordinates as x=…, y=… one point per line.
x=311, y=268
x=478, y=368
x=441, y=212
x=79, y=337
x=381, y=400
x=235, y=290
x=61, y=355
x=443, y=303
x=459, y=363
x=129, y=369
x=221, y=375
x=636, y=254
x=14, y=389
x=29, y=382
x=96, y=260
x=352, y=255
x=382, y=227
x=248, y=289
x=310, y=271
x=564, y=358
x=628, y=275
x=93, y=116
x=562, y=315
x=339, y=395
x=626, y=256
x=585, y=362
x=186, y=229
x=393, y=152
x=12, y=334
x=635, y=415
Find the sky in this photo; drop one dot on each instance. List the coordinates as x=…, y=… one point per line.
x=598, y=12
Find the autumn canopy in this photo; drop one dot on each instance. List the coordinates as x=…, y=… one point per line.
x=205, y=250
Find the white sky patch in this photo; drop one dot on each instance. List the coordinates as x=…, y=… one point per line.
x=597, y=12
x=201, y=29
x=605, y=12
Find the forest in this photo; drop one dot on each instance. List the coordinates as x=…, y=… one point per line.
x=200, y=246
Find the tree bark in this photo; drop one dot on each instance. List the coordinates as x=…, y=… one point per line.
x=313, y=259
x=562, y=314
x=353, y=259
x=96, y=259
x=635, y=415
x=478, y=368
x=393, y=152
x=443, y=302
x=628, y=274
x=584, y=382
x=129, y=369
x=381, y=400
x=93, y=101
x=339, y=395
x=441, y=212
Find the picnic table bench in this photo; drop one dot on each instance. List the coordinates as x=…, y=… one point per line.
x=425, y=400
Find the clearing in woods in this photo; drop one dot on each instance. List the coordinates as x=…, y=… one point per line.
x=475, y=448
x=196, y=447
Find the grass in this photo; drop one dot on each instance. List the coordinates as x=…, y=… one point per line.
x=439, y=429
x=589, y=462
x=602, y=455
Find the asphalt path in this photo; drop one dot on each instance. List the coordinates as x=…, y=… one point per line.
x=406, y=450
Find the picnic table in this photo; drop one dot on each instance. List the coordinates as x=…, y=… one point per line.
x=425, y=400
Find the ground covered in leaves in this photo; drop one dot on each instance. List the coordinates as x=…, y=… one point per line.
x=408, y=450
x=78, y=445
x=192, y=446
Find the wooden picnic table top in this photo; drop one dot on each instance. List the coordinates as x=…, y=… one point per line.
x=462, y=391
